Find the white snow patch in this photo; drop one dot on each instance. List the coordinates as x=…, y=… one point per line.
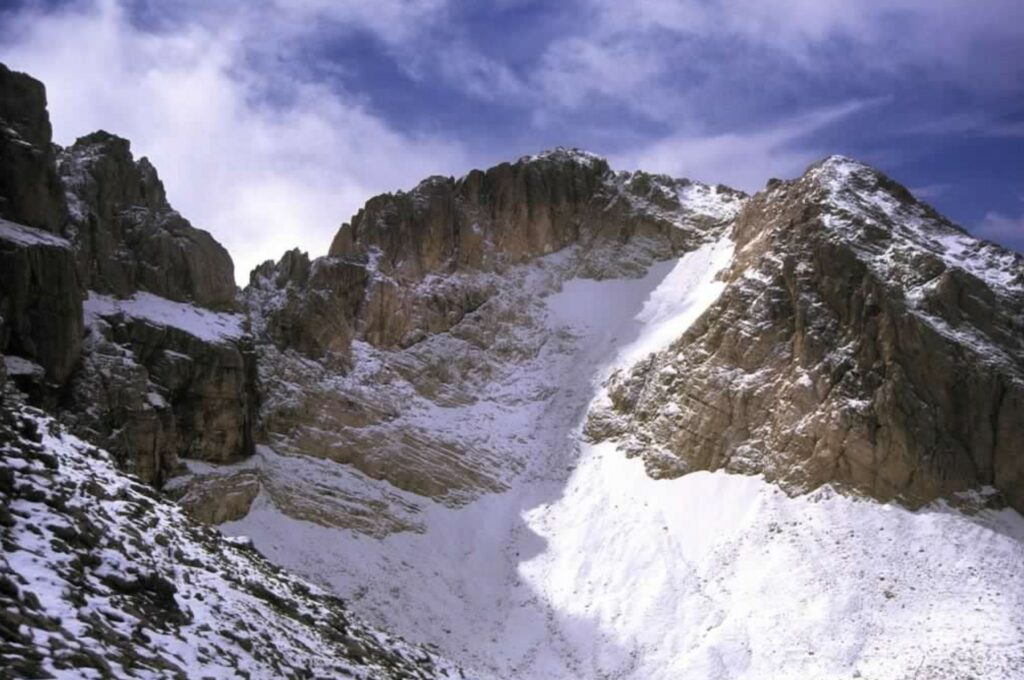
x=202, y=323
x=29, y=236
x=21, y=366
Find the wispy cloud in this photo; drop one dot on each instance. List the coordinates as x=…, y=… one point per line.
x=742, y=160
x=263, y=173
x=1002, y=228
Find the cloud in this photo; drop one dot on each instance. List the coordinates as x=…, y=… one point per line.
x=996, y=226
x=741, y=160
x=262, y=159
x=930, y=191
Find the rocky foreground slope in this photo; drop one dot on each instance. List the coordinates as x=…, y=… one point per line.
x=100, y=577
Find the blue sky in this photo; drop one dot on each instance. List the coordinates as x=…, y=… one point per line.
x=271, y=121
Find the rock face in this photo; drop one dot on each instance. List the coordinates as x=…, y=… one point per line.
x=385, y=277
x=128, y=237
x=30, y=191
x=314, y=305
x=40, y=300
x=146, y=388
x=862, y=340
x=428, y=297
x=157, y=392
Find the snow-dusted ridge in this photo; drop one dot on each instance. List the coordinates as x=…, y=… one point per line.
x=857, y=197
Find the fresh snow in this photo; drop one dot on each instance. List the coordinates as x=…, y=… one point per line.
x=21, y=366
x=202, y=323
x=29, y=236
x=588, y=568
x=851, y=189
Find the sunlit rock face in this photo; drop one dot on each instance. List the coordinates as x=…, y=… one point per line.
x=430, y=302
x=861, y=339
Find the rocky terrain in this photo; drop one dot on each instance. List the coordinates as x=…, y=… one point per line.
x=861, y=339
x=120, y=312
x=101, y=577
x=504, y=415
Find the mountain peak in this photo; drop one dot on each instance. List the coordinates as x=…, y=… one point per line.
x=565, y=154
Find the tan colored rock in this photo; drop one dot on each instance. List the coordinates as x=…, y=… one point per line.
x=215, y=499
x=848, y=348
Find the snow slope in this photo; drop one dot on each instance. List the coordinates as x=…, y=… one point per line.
x=588, y=568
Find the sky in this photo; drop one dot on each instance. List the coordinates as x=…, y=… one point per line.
x=272, y=121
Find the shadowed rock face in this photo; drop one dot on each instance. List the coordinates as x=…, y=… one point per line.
x=151, y=392
x=157, y=393
x=40, y=300
x=30, y=191
x=855, y=344
x=129, y=238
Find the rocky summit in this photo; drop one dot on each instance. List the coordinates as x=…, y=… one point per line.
x=545, y=420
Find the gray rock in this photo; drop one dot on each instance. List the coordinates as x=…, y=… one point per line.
x=127, y=235
x=40, y=300
x=30, y=191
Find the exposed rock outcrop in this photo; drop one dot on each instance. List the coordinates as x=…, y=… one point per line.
x=30, y=190
x=152, y=389
x=128, y=237
x=429, y=296
x=40, y=299
x=862, y=340
x=147, y=389
x=387, y=277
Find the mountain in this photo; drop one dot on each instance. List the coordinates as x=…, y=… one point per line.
x=549, y=419
x=861, y=339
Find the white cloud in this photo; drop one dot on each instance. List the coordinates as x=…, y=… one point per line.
x=741, y=160
x=262, y=178
x=996, y=226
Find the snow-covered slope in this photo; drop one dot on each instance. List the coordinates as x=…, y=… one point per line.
x=585, y=567
x=101, y=578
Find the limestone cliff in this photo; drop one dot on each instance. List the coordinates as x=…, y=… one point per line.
x=126, y=234
x=91, y=222
x=862, y=340
x=30, y=190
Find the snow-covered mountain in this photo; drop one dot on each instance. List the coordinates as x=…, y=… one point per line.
x=550, y=419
